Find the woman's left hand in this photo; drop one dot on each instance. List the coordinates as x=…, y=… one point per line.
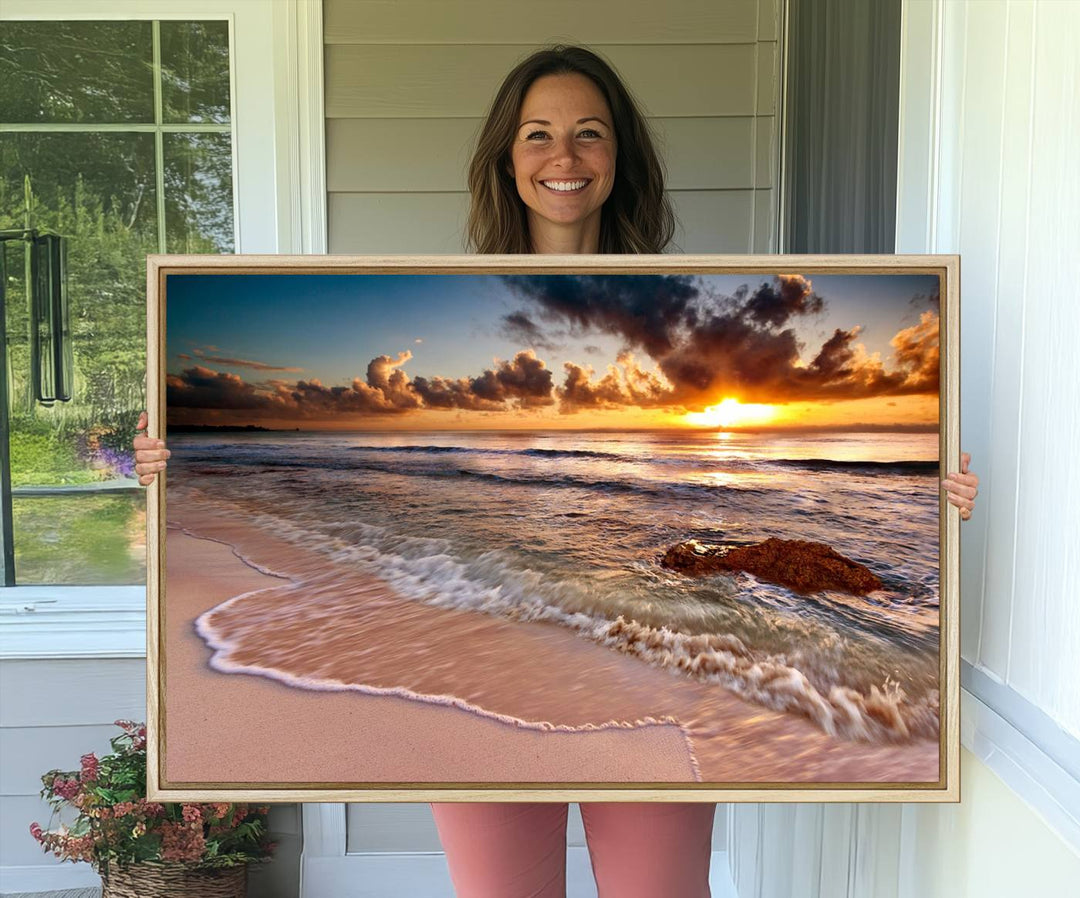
x=962, y=487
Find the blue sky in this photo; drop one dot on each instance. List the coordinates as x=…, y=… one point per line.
x=298, y=347
x=333, y=325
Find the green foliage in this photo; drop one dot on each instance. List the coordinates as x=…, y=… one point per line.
x=81, y=539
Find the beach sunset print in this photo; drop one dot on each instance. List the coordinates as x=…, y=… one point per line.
x=553, y=528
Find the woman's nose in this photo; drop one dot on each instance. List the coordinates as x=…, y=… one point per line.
x=564, y=150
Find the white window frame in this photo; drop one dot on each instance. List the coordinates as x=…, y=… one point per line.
x=279, y=205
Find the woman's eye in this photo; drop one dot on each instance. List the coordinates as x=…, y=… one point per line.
x=536, y=135
x=589, y=132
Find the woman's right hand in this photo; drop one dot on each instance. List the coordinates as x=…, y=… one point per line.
x=150, y=454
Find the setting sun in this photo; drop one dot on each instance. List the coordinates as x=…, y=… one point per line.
x=731, y=413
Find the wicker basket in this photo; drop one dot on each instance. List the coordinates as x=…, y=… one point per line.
x=172, y=880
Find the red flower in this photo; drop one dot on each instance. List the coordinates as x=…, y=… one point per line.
x=36, y=831
x=181, y=842
x=89, y=767
x=65, y=788
x=150, y=808
x=192, y=814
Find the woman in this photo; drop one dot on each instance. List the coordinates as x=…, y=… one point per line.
x=565, y=164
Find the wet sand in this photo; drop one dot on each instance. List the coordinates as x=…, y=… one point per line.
x=397, y=691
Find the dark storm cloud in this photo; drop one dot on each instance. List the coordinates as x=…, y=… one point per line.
x=705, y=346
x=199, y=387
x=772, y=305
x=645, y=310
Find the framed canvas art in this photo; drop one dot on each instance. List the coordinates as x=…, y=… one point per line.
x=553, y=527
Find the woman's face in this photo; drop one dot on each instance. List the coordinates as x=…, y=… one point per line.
x=563, y=155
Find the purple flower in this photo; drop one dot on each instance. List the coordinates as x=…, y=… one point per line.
x=118, y=462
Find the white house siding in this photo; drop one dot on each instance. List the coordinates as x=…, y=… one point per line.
x=408, y=83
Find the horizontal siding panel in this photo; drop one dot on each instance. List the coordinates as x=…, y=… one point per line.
x=375, y=81
x=399, y=154
x=710, y=221
x=713, y=221
x=17, y=846
x=28, y=752
x=397, y=222
x=390, y=827
x=707, y=153
x=432, y=154
x=72, y=692
x=564, y=22
x=521, y=22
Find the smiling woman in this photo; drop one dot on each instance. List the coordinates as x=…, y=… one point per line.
x=561, y=117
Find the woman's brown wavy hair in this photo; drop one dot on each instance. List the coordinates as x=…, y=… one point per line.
x=637, y=216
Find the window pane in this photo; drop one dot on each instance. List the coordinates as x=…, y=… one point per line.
x=82, y=540
x=76, y=72
x=198, y=193
x=98, y=191
x=195, y=71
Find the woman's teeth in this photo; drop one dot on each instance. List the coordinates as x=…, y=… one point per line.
x=564, y=186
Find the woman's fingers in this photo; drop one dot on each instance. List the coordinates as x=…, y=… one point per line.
x=144, y=455
x=143, y=420
x=960, y=501
x=966, y=485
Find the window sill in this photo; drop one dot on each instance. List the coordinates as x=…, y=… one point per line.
x=1032, y=756
x=73, y=622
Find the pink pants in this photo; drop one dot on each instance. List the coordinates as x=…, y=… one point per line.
x=518, y=850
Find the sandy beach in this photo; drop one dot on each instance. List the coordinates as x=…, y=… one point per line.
x=380, y=689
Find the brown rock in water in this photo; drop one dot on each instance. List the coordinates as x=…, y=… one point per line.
x=800, y=565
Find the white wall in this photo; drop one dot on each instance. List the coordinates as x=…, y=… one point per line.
x=989, y=129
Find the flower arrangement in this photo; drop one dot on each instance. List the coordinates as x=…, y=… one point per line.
x=116, y=825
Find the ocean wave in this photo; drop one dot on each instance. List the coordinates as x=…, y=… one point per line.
x=490, y=584
x=870, y=467
x=478, y=450
x=257, y=454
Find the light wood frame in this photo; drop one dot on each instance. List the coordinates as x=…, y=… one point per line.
x=946, y=267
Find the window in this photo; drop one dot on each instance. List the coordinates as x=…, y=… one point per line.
x=116, y=135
